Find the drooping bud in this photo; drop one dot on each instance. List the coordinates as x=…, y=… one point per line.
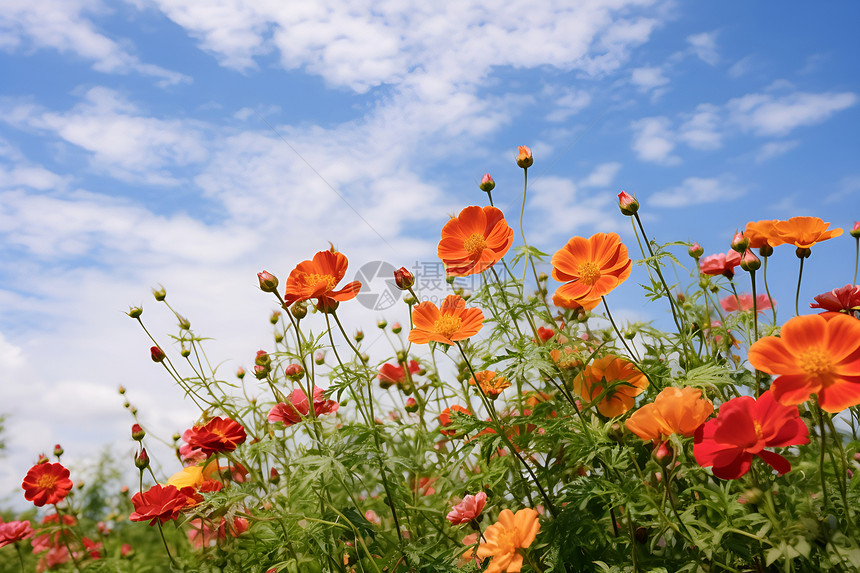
x=240, y=373
x=159, y=294
x=855, y=230
x=739, y=242
x=696, y=250
x=294, y=371
x=299, y=310
x=364, y=357
x=627, y=203
x=157, y=354
x=135, y=311
x=403, y=279
x=268, y=281
x=396, y=328
x=137, y=433
x=524, y=157
x=750, y=262
x=262, y=358
x=141, y=460
x=487, y=183
x=58, y=451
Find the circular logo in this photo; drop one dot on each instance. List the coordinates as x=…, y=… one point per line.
x=378, y=290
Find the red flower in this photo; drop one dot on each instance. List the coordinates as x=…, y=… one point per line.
x=445, y=418
x=298, y=407
x=730, y=303
x=846, y=298
x=720, y=264
x=318, y=278
x=468, y=509
x=46, y=484
x=391, y=375
x=742, y=429
x=13, y=531
x=159, y=503
x=545, y=333
x=217, y=435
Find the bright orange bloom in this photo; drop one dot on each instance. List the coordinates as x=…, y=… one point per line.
x=617, y=380
x=445, y=418
x=674, y=411
x=510, y=533
x=561, y=301
x=448, y=324
x=491, y=383
x=591, y=268
x=194, y=476
x=46, y=484
x=317, y=279
x=474, y=240
x=814, y=354
x=803, y=232
x=761, y=233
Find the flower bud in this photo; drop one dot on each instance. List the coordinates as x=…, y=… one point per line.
x=137, y=433
x=268, y=281
x=260, y=372
x=524, y=158
x=401, y=356
x=185, y=353
x=121, y=389
x=750, y=262
x=184, y=323
x=409, y=300
x=411, y=405
x=803, y=252
x=396, y=328
x=403, y=279
x=381, y=324
x=176, y=437
x=262, y=358
x=765, y=250
x=299, y=310
x=276, y=316
x=58, y=451
x=359, y=335
x=135, y=311
x=157, y=354
x=240, y=373
x=364, y=357
x=274, y=476
x=159, y=294
x=43, y=459
x=663, y=453
x=739, y=242
x=696, y=250
x=279, y=338
x=319, y=358
x=141, y=460
x=294, y=371
x=627, y=203
x=855, y=230
x=487, y=183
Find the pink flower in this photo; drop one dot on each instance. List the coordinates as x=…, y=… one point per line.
x=720, y=264
x=845, y=298
x=13, y=531
x=730, y=303
x=391, y=375
x=468, y=509
x=298, y=407
x=372, y=517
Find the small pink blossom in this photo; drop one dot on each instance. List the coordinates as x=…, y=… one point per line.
x=844, y=298
x=297, y=408
x=372, y=517
x=730, y=303
x=468, y=509
x=720, y=264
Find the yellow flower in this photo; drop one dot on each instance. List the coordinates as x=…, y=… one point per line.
x=510, y=533
x=193, y=476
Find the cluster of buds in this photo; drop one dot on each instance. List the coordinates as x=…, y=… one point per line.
x=262, y=364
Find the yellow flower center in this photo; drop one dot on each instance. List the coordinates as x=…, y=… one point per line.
x=757, y=427
x=312, y=280
x=475, y=244
x=47, y=481
x=589, y=272
x=447, y=325
x=815, y=362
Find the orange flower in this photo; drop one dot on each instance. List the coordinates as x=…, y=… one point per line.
x=561, y=301
x=474, y=241
x=674, y=411
x=510, y=533
x=614, y=380
x=448, y=324
x=445, y=418
x=814, y=354
x=490, y=382
x=803, y=232
x=593, y=267
x=761, y=233
x=317, y=279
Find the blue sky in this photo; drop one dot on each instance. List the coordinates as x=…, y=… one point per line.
x=135, y=150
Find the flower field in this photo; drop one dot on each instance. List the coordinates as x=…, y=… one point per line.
x=517, y=427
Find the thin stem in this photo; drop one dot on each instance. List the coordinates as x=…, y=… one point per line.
x=755, y=330
x=20, y=557
x=856, y=258
x=797, y=295
x=166, y=548
x=618, y=332
x=767, y=290
x=823, y=448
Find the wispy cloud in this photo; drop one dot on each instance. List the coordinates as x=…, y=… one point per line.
x=774, y=149
x=704, y=45
x=766, y=114
x=698, y=191
x=654, y=141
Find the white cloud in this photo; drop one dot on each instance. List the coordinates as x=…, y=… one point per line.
x=602, y=176
x=765, y=114
x=698, y=191
x=775, y=149
x=653, y=140
x=62, y=25
x=742, y=67
x=648, y=78
x=563, y=210
x=701, y=129
x=567, y=103
x=704, y=45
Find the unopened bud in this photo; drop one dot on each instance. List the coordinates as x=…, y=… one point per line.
x=176, y=437
x=240, y=373
x=43, y=459
x=260, y=372
x=627, y=203
x=141, y=460
x=299, y=310
x=750, y=262
x=184, y=323
x=663, y=453
x=319, y=358
x=382, y=324
x=855, y=230
x=359, y=335
x=364, y=357
x=487, y=183
x=524, y=157
x=696, y=250
x=396, y=328
x=276, y=316
x=157, y=354
x=121, y=389
x=403, y=279
x=739, y=242
x=135, y=311
x=449, y=279
x=137, y=433
x=294, y=371
x=411, y=405
x=410, y=300
x=543, y=277
x=58, y=451
x=401, y=356
x=159, y=294
x=262, y=358
x=268, y=281
x=274, y=476
x=279, y=338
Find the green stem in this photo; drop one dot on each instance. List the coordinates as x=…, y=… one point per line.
x=20, y=557
x=797, y=295
x=822, y=452
x=618, y=332
x=767, y=290
x=856, y=258
x=166, y=548
x=755, y=331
